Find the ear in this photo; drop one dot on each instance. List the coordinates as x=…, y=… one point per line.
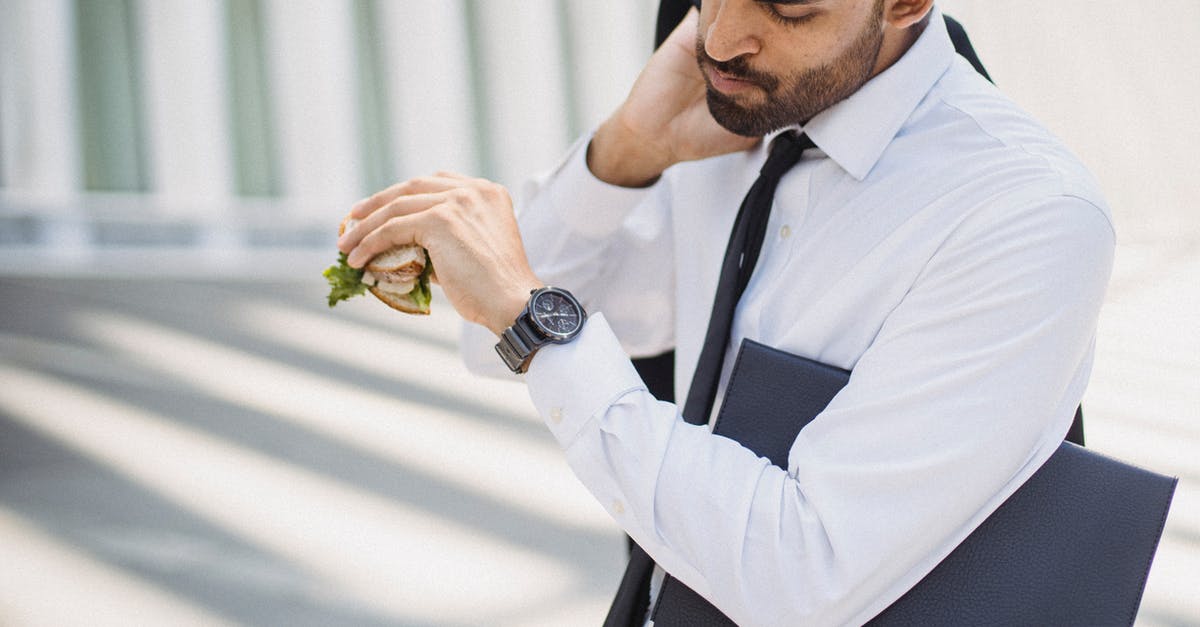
x=901, y=14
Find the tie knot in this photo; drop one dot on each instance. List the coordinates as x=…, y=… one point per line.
x=785, y=153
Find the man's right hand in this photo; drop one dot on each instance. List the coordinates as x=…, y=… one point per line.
x=664, y=120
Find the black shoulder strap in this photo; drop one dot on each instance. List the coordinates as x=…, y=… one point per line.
x=670, y=14
x=962, y=45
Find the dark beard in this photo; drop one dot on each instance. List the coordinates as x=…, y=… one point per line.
x=794, y=99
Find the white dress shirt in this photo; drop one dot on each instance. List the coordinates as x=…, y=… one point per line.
x=938, y=243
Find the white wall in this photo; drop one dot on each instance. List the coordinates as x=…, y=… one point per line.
x=37, y=76
x=1119, y=83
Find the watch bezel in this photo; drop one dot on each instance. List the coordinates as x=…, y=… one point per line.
x=550, y=334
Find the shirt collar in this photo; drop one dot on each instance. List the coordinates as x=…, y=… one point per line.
x=855, y=131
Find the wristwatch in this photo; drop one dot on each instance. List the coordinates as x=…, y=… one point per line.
x=552, y=316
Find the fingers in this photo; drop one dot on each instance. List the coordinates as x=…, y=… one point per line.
x=423, y=185
x=394, y=232
x=401, y=206
x=402, y=199
x=394, y=216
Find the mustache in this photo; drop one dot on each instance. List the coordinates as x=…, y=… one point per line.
x=737, y=67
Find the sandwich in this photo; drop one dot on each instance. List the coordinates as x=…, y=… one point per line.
x=399, y=277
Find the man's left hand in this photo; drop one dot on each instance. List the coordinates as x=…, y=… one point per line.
x=469, y=229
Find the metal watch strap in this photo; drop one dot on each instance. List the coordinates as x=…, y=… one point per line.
x=518, y=343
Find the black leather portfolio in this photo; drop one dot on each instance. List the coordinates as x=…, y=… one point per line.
x=1072, y=546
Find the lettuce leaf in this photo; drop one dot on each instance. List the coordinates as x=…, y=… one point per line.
x=422, y=294
x=344, y=281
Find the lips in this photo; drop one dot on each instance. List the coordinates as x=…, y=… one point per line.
x=727, y=83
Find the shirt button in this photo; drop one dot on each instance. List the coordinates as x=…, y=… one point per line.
x=785, y=231
x=556, y=415
x=618, y=507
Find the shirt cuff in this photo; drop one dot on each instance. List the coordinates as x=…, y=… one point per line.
x=571, y=383
x=586, y=204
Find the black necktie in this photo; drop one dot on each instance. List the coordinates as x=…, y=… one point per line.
x=741, y=255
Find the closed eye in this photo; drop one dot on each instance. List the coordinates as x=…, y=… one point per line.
x=789, y=14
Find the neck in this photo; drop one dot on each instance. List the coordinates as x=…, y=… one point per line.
x=896, y=42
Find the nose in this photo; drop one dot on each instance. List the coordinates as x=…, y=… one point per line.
x=731, y=33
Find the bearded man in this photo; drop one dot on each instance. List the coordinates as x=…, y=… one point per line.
x=926, y=235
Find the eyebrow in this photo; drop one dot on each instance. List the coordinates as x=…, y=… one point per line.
x=796, y=2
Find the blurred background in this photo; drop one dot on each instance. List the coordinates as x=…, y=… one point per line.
x=188, y=435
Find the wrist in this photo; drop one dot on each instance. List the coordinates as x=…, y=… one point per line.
x=618, y=156
x=505, y=313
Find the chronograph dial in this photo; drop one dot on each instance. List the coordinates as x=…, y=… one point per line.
x=555, y=314
x=552, y=316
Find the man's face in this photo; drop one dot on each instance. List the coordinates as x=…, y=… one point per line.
x=771, y=65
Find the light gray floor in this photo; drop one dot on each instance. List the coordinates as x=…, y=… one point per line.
x=192, y=451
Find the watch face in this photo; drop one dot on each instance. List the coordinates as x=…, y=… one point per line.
x=556, y=314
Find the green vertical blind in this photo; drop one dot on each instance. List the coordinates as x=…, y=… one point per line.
x=113, y=129
x=475, y=55
x=256, y=164
x=111, y=116
x=374, y=94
